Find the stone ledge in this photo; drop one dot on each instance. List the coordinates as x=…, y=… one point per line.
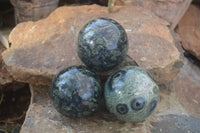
x=42, y=116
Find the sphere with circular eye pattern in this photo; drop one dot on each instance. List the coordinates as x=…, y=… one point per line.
x=102, y=44
x=131, y=94
x=76, y=91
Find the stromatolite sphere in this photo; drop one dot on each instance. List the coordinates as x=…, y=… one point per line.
x=102, y=44
x=131, y=94
x=76, y=91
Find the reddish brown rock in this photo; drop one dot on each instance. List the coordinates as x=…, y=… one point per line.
x=41, y=49
x=189, y=30
x=170, y=10
x=187, y=88
x=7, y=83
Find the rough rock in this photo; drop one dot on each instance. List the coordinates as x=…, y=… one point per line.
x=4, y=33
x=176, y=124
x=41, y=49
x=32, y=10
x=42, y=117
x=189, y=30
x=5, y=77
x=7, y=83
x=170, y=10
x=187, y=88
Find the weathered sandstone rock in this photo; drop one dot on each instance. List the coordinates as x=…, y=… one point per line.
x=5, y=77
x=187, y=88
x=7, y=83
x=41, y=49
x=170, y=10
x=189, y=30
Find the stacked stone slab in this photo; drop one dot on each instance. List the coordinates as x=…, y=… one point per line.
x=5, y=77
x=169, y=10
x=7, y=83
x=32, y=10
x=41, y=49
x=189, y=31
x=188, y=92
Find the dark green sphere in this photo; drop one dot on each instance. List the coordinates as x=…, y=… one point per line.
x=76, y=91
x=102, y=44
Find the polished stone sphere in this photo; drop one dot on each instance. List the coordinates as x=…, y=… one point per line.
x=102, y=44
x=131, y=94
x=76, y=91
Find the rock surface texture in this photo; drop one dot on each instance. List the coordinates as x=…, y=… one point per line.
x=170, y=10
x=7, y=82
x=189, y=30
x=32, y=10
x=187, y=88
x=43, y=117
x=41, y=49
x=5, y=77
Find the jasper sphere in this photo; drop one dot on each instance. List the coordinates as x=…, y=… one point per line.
x=131, y=94
x=102, y=44
x=76, y=91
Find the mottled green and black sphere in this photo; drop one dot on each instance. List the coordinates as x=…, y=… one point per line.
x=102, y=44
x=131, y=94
x=76, y=91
